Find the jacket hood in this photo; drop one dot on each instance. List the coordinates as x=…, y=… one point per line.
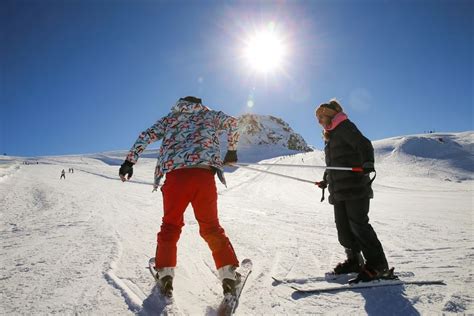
x=183, y=106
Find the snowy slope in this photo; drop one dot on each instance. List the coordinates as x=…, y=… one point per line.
x=81, y=245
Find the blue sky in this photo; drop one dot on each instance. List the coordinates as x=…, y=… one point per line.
x=88, y=76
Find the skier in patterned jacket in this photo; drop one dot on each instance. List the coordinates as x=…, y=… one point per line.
x=189, y=157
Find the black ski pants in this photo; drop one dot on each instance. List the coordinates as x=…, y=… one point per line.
x=355, y=232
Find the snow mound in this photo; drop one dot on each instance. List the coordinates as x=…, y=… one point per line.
x=447, y=155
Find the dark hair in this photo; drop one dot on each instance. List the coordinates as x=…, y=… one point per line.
x=192, y=99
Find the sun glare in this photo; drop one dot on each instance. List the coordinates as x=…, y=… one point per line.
x=265, y=51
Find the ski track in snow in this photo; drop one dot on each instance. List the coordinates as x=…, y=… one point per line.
x=81, y=245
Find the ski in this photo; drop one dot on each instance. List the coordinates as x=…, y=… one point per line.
x=363, y=285
x=328, y=277
x=230, y=302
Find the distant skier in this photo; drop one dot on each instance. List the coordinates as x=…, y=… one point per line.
x=350, y=193
x=63, y=175
x=190, y=157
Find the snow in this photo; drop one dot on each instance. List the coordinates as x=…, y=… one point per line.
x=81, y=245
x=7, y=168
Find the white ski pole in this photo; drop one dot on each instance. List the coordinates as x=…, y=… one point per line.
x=354, y=169
x=240, y=165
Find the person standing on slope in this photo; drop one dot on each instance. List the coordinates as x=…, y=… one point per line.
x=350, y=193
x=190, y=157
x=63, y=175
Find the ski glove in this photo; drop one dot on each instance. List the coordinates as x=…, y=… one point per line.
x=368, y=167
x=322, y=184
x=126, y=169
x=230, y=157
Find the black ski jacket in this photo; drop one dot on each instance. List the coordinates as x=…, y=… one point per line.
x=347, y=147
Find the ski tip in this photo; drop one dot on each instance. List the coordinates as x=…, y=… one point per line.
x=437, y=282
x=151, y=263
x=246, y=263
x=276, y=281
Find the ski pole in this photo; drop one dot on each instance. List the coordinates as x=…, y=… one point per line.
x=240, y=165
x=354, y=169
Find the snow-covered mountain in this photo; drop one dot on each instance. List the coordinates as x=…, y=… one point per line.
x=80, y=245
x=269, y=130
x=266, y=136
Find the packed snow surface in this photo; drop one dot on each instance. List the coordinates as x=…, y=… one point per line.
x=81, y=245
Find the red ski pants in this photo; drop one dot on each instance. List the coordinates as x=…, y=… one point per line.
x=195, y=186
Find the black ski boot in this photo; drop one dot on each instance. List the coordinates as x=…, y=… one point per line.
x=368, y=274
x=353, y=263
x=166, y=285
x=229, y=285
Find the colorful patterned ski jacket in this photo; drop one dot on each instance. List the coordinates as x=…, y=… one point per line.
x=190, y=137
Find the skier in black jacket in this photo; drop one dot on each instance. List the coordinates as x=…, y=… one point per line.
x=350, y=193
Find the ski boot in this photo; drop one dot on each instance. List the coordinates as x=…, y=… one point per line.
x=166, y=286
x=230, y=279
x=165, y=280
x=353, y=263
x=229, y=286
x=368, y=274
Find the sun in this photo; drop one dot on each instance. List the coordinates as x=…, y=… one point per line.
x=265, y=51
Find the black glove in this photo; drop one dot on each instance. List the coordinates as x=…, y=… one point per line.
x=322, y=184
x=126, y=169
x=230, y=157
x=368, y=167
x=368, y=170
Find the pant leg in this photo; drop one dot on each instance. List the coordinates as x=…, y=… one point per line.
x=205, y=210
x=357, y=211
x=344, y=232
x=176, y=197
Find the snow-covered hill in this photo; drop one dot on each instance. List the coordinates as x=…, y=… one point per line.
x=442, y=156
x=81, y=245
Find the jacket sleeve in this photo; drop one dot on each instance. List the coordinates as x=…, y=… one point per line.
x=230, y=124
x=361, y=144
x=151, y=135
